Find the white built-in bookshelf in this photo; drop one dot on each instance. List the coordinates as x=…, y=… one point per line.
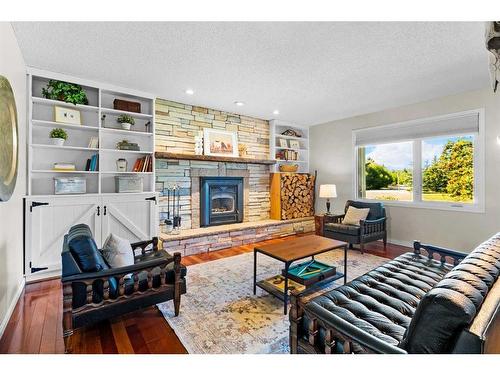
x=98, y=119
x=280, y=152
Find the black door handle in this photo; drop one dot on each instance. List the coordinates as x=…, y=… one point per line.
x=104, y=213
x=98, y=210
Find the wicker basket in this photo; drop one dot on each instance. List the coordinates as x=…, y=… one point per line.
x=288, y=167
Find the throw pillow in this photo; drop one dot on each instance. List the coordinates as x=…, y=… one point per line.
x=354, y=215
x=86, y=254
x=117, y=251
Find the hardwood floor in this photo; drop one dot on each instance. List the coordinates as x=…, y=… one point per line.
x=35, y=325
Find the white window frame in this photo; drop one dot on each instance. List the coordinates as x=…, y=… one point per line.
x=478, y=158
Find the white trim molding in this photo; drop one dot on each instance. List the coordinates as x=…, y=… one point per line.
x=12, y=306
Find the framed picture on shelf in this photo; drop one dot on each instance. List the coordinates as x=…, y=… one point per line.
x=220, y=143
x=283, y=143
x=294, y=144
x=67, y=115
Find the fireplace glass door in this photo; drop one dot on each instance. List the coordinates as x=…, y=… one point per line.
x=221, y=200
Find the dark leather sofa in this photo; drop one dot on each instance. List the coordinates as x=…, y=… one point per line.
x=92, y=291
x=371, y=229
x=412, y=304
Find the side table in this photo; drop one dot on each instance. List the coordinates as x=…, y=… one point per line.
x=319, y=222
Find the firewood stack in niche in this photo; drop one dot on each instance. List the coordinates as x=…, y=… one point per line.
x=292, y=195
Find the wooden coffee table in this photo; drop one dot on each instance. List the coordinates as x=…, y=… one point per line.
x=292, y=250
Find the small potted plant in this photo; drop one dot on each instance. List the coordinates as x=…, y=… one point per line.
x=58, y=136
x=126, y=121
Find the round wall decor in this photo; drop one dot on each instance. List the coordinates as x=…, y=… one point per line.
x=9, y=142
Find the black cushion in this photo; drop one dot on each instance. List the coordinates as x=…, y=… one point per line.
x=84, y=250
x=377, y=210
x=353, y=230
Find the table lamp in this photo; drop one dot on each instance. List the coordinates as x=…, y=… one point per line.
x=327, y=191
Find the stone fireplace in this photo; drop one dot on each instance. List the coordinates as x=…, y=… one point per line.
x=221, y=200
x=246, y=205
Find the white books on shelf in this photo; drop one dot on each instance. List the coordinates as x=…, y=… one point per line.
x=93, y=142
x=64, y=167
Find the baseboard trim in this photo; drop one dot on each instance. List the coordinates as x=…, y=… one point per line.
x=11, y=308
x=401, y=243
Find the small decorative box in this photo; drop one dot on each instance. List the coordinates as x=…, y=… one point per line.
x=128, y=184
x=309, y=272
x=70, y=185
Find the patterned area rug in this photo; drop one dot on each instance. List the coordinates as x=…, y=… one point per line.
x=220, y=315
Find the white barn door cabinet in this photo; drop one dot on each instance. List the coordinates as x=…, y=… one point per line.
x=49, y=216
x=48, y=219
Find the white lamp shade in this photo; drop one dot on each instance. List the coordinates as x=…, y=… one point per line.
x=327, y=191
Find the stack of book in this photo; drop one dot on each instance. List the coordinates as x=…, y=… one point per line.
x=287, y=155
x=64, y=167
x=144, y=164
x=92, y=163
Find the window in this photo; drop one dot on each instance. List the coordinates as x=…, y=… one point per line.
x=386, y=171
x=433, y=163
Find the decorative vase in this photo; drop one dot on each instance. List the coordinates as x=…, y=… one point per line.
x=121, y=165
x=58, y=141
x=126, y=125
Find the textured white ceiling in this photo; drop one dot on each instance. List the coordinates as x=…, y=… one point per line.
x=311, y=72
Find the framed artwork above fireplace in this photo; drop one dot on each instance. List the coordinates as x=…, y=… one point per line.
x=220, y=142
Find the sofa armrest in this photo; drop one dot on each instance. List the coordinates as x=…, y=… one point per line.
x=372, y=226
x=457, y=256
x=162, y=259
x=144, y=244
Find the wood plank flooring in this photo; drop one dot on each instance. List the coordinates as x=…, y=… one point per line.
x=35, y=325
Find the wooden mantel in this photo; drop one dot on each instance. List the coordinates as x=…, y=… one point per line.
x=227, y=159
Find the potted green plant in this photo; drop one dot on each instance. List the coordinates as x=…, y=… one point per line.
x=58, y=136
x=126, y=121
x=65, y=91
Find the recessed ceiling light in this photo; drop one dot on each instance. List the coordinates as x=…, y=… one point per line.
x=239, y=104
x=276, y=112
x=189, y=91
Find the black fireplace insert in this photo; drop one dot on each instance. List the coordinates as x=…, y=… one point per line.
x=221, y=200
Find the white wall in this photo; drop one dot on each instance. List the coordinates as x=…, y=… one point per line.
x=13, y=67
x=332, y=156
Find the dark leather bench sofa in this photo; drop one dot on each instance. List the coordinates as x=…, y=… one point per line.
x=411, y=304
x=92, y=296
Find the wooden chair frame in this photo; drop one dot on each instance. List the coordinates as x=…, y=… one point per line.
x=161, y=261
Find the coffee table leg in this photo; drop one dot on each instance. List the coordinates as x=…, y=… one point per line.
x=254, y=271
x=345, y=264
x=285, y=300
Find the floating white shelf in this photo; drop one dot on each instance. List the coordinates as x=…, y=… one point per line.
x=64, y=104
x=291, y=149
x=121, y=194
x=127, y=132
x=127, y=151
x=64, y=148
x=133, y=114
x=53, y=124
x=291, y=161
x=64, y=172
x=132, y=173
